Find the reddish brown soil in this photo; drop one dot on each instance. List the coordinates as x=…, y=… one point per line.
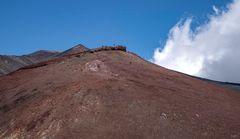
x=114, y=94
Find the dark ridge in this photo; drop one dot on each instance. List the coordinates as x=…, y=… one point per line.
x=41, y=64
x=58, y=59
x=230, y=85
x=103, y=48
x=225, y=84
x=9, y=64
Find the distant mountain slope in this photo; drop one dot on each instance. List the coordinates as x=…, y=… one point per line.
x=113, y=94
x=76, y=49
x=235, y=86
x=11, y=63
x=43, y=55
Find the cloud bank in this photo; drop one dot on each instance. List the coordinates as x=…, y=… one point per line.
x=211, y=50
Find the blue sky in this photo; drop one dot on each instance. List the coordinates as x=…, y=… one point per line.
x=141, y=25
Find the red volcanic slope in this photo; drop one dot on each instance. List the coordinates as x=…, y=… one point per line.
x=113, y=94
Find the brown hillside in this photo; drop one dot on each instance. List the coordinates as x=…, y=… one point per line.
x=113, y=94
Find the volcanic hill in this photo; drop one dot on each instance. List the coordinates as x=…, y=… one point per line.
x=12, y=63
x=109, y=93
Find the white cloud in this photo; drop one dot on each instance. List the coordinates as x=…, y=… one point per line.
x=211, y=51
x=216, y=10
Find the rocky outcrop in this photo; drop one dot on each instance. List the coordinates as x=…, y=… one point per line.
x=109, y=48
